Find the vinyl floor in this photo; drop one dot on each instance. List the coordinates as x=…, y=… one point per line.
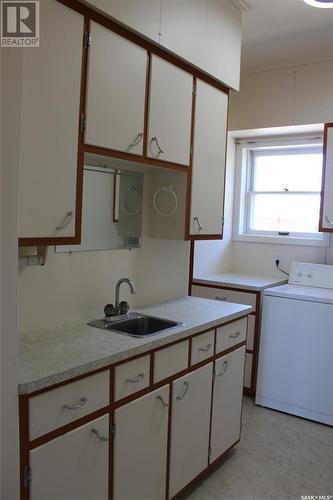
x=279, y=457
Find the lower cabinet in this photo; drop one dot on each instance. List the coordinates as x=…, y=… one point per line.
x=147, y=446
x=74, y=465
x=190, y=419
x=140, y=447
x=227, y=402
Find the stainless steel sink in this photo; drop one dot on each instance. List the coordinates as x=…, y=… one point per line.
x=136, y=325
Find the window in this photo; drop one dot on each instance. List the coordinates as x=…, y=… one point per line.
x=278, y=192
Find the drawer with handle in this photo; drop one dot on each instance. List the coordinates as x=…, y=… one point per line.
x=202, y=347
x=225, y=295
x=53, y=409
x=132, y=377
x=170, y=360
x=231, y=334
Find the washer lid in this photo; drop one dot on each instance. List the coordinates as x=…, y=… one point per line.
x=301, y=293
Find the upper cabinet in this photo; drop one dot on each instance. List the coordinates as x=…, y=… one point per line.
x=206, y=33
x=109, y=91
x=115, y=92
x=208, y=168
x=48, y=141
x=326, y=211
x=299, y=95
x=144, y=15
x=313, y=106
x=170, y=110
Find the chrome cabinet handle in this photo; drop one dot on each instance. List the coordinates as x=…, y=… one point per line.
x=328, y=220
x=224, y=369
x=162, y=401
x=140, y=377
x=234, y=335
x=198, y=225
x=159, y=149
x=136, y=141
x=77, y=405
x=186, y=384
x=220, y=298
x=206, y=348
x=68, y=217
x=101, y=438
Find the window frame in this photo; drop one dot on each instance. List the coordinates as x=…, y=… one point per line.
x=245, y=151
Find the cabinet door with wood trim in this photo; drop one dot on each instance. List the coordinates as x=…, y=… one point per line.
x=170, y=110
x=74, y=465
x=48, y=141
x=208, y=168
x=190, y=419
x=115, y=92
x=326, y=213
x=140, y=447
x=227, y=402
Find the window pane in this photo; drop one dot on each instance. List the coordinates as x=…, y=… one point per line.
x=295, y=172
x=285, y=212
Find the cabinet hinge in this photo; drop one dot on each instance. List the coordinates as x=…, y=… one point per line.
x=87, y=39
x=83, y=121
x=113, y=430
x=214, y=373
x=27, y=476
x=191, y=150
x=209, y=452
x=194, y=89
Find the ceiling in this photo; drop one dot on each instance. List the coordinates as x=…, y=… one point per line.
x=280, y=33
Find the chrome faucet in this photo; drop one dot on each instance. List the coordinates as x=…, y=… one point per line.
x=120, y=309
x=119, y=282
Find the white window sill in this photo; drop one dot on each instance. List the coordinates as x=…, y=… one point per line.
x=282, y=240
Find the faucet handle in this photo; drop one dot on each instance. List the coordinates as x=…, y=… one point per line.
x=123, y=307
x=109, y=310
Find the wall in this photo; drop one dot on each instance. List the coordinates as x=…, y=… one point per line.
x=11, y=60
x=280, y=98
x=78, y=285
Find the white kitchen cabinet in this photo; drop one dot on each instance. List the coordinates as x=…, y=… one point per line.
x=227, y=402
x=313, y=93
x=207, y=33
x=115, y=92
x=170, y=109
x=326, y=213
x=183, y=28
x=140, y=447
x=191, y=397
x=74, y=465
x=143, y=16
x=48, y=142
x=273, y=98
x=208, y=169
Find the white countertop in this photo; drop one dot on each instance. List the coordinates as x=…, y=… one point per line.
x=52, y=355
x=239, y=280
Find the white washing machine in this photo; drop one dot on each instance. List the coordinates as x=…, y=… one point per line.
x=295, y=371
